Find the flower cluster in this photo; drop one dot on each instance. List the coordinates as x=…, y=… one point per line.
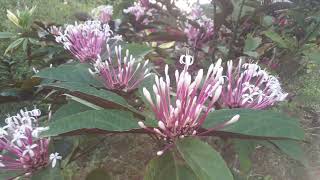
x=121, y=74
x=102, y=13
x=251, y=87
x=200, y=29
x=85, y=41
x=22, y=149
x=140, y=10
x=183, y=114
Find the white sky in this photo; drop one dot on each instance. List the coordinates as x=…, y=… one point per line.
x=185, y=4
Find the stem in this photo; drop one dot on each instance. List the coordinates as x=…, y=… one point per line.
x=215, y=35
x=235, y=30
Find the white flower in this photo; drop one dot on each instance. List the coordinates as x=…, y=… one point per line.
x=17, y=136
x=54, y=157
x=38, y=130
x=29, y=150
x=3, y=132
x=1, y=164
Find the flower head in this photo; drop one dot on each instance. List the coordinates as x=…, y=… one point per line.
x=85, y=41
x=102, y=13
x=183, y=114
x=140, y=10
x=25, y=151
x=121, y=73
x=251, y=87
x=201, y=30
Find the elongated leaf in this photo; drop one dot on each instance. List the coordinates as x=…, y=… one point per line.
x=205, y=162
x=71, y=73
x=86, y=89
x=137, y=50
x=165, y=167
x=4, y=35
x=9, y=174
x=108, y=120
x=283, y=42
x=244, y=149
x=292, y=149
x=13, y=45
x=72, y=107
x=48, y=173
x=264, y=123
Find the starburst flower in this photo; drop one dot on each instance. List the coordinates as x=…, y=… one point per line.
x=140, y=10
x=183, y=114
x=201, y=30
x=102, y=13
x=122, y=73
x=251, y=87
x=85, y=41
x=23, y=150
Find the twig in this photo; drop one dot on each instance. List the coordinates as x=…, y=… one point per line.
x=235, y=30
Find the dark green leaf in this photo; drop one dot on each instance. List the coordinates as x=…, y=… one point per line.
x=71, y=73
x=264, y=123
x=292, y=149
x=108, y=120
x=205, y=162
x=244, y=150
x=86, y=89
x=48, y=173
x=137, y=50
x=9, y=174
x=72, y=107
x=165, y=167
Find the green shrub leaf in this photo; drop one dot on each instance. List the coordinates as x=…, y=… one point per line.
x=165, y=167
x=205, y=162
x=265, y=123
x=71, y=73
x=108, y=120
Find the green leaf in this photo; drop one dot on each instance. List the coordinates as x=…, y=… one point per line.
x=86, y=89
x=165, y=167
x=25, y=44
x=244, y=149
x=292, y=149
x=283, y=42
x=13, y=45
x=137, y=50
x=267, y=21
x=72, y=107
x=71, y=73
x=265, y=123
x=251, y=43
x=108, y=120
x=48, y=173
x=251, y=53
x=5, y=35
x=205, y=162
x=4, y=174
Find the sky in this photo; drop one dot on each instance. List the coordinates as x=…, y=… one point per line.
x=185, y=4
